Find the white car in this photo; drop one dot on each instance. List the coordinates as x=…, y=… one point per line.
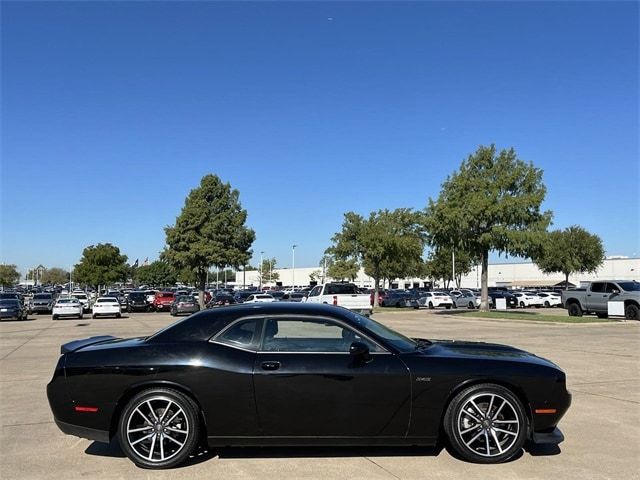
x=259, y=298
x=466, y=300
x=84, y=300
x=435, y=299
x=106, y=306
x=550, y=299
x=67, y=307
x=528, y=299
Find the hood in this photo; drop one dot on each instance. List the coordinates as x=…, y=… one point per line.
x=483, y=351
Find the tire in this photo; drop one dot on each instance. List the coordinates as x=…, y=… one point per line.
x=602, y=314
x=471, y=306
x=118, y=315
x=468, y=431
x=94, y=316
x=547, y=304
x=143, y=411
x=448, y=307
x=54, y=317
x=632, y=312
x=522, y=305
x=574, y=310
x=430, y=305
x=81, y=316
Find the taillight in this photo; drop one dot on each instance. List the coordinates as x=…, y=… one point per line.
x=335, y=300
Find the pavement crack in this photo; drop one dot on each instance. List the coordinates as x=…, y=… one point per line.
x=382, y=468
x=607, y=396
x=26, y=424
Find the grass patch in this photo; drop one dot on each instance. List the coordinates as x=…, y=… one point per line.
x=536, y=317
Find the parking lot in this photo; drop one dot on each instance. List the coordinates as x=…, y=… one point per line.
x=602, y=428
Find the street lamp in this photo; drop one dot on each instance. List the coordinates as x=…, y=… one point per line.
x=293, y=267
x=261, y=254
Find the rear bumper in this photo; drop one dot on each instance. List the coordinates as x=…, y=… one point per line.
x=83, y=432
x=553, y=437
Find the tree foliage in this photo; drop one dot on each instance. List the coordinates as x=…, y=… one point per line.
x=210, y=231
x=267, y=273
x=101, y=264
x=491, y=203
x=158, y=274
x=388, y=244
x=9, y=275
x=439, y=265
x=572, y=250
x=343, y=269
x=55, y=276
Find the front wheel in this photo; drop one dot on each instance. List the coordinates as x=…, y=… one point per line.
x=159, y=428
x=547, y=304
x=486, y=423
x=632, y=312
x=430, y=305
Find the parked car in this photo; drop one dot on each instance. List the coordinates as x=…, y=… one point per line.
x=550, y=299
x=42, y=303
x=435, y=299
x=528, y=299
x=184, y=304
x=150, y=296
x=259, y=298
x=466, y=300
x=221, y=299
x=107, y=306
x=12, y=308
x=381, y=294
x=341, y=294
x=302, y=371
x=241, y=296
x=293, y=297
x=277, y=294
x=84, y=299
x=138, y=301
x=512, y=301
x=67, y=307
x=399, y=299
x=163, y=300
x=596, y=297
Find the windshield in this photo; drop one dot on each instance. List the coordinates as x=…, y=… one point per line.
x=397, y=340
x=137, y=296
x=42, y=296
x=630, y=286
x=9, y=303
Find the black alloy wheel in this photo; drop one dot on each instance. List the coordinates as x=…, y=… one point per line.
x=632, y=312
x=486, y=423
x=574, y=310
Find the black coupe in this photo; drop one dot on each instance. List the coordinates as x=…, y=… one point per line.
x=301, y=374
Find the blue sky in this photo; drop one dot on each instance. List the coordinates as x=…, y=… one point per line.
x=112, y=112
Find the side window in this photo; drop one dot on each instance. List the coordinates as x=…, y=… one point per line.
x=315, y=291
x=242, y=334
x=612, y=288
x=310, y=335
x=329, y=290
x=597, y=287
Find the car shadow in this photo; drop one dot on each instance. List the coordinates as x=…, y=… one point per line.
x=542, y=450
x=15, y=320
x=203, y=453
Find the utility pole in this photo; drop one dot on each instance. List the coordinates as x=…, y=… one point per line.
x=453, y=265
x=293, y=267
x=261, y=254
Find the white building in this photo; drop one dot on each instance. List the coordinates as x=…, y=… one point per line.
x=522, y=274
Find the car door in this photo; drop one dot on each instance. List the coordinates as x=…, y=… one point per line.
x=597, y=297
x=308, y=385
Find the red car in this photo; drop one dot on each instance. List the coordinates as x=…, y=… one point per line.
x=163, y=301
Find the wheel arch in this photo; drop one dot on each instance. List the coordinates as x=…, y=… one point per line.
x=137, y=388
x=513, y=388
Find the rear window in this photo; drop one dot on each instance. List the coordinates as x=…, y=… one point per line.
x=341, y=289
x=107, y=300
x=42, y=296
x=137, y=296
x=165, y=295
x=68, y=300
x=7, y=302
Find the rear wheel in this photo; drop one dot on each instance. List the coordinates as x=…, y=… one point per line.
x=55, y=317
x=547, y=304
x=574, y=310
x=486, y=423
x=632, y=312
x=118, y=315
x=471, y=305
x=159, y=428
x=522, y=305
x=431, y=305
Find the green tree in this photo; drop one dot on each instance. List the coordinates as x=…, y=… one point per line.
x=55, y=276
x=439, y=265
x=158, y=274
x=491, y=203
x=267, y=273
x=9, y=275
x=101, y=264
x=388, y=244
x=210, y=231
x=316, y=276
x=572, y=250
x=343, y=269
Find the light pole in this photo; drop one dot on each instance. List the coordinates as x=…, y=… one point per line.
x=261, y=254
x=293, y=267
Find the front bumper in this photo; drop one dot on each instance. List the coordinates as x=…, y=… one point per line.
x=41, y=308
x=11, y=314
x=554, y=437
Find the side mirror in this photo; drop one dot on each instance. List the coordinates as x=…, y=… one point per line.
x=360, y=351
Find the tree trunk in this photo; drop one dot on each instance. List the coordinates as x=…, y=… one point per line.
x=376, y=293
x=202, y=281
x=484, y=281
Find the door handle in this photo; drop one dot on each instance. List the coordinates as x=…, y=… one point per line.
x=270, y=365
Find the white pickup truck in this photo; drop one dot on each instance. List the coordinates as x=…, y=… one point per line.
x=342, y=294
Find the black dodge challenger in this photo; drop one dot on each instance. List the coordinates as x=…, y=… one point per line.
x=297, y=374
